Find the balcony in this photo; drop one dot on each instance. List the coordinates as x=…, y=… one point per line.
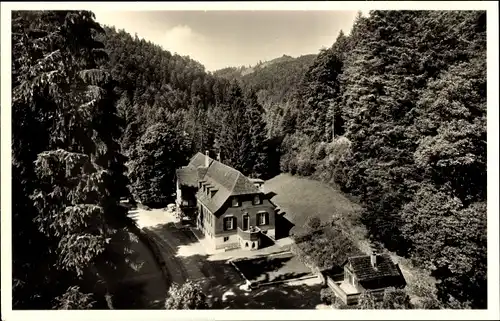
x=252, y=234
x=345, y=291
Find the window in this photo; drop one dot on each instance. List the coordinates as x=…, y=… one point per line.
x=256, y=200
x=235, y=202
x=229, y=223
x=246, y=222
x=226, y=238
x=261, y=218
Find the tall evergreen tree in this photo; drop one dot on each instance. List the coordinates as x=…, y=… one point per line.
x=233, y=139
x=257, y=156
x=67, y=169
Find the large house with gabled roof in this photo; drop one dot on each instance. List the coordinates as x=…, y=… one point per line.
x=230, y=209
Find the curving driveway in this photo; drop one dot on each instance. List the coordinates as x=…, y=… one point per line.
x=186, y=258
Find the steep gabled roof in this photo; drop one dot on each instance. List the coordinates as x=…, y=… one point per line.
x=197, y=160
x=187, y=176
x=194, y=171
x=364, y=271
x=226, y=180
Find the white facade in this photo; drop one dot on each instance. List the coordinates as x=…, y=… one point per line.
x=226, y=242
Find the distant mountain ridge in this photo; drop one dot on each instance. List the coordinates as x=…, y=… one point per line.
x=275, y=81
x=231, y=73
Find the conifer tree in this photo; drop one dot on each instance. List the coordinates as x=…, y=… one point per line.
x=67, y=169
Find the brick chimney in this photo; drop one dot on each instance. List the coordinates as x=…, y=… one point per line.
x=373, y=258
x=207, y=159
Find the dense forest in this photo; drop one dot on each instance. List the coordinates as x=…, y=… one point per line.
x=275, y=84
x=394, y=113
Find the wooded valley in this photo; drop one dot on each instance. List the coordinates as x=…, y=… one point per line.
x=393, y=114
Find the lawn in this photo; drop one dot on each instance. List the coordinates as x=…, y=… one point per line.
x=272, y=268
x=300, y=198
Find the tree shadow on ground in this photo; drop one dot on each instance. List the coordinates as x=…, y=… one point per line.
x=256, y=270
x=132, y=296
x=275, y=296
x=141, y=286
x=176, y=236
x=222, y=284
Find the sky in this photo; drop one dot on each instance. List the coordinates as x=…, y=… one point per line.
x=220, y=39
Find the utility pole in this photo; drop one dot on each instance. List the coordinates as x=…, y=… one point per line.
x=201, y=136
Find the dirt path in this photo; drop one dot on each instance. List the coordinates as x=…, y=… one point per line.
x=176, y=269
x=161, y=227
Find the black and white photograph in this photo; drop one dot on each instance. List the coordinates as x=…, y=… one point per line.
x=316, y=157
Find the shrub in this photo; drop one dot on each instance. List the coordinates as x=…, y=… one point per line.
x=313, y=222
x=305, y=167
x=320, y=151
x=396, y=299
x=367, y=301
x=327, y=296
x=186, y=297
x=326, y=248
x=73, y=298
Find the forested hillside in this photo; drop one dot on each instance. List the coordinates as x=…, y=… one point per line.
x=275, y=83
x=172, y=108
x=394, y=113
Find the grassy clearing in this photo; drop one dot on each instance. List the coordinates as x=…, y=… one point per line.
x=301, y=198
